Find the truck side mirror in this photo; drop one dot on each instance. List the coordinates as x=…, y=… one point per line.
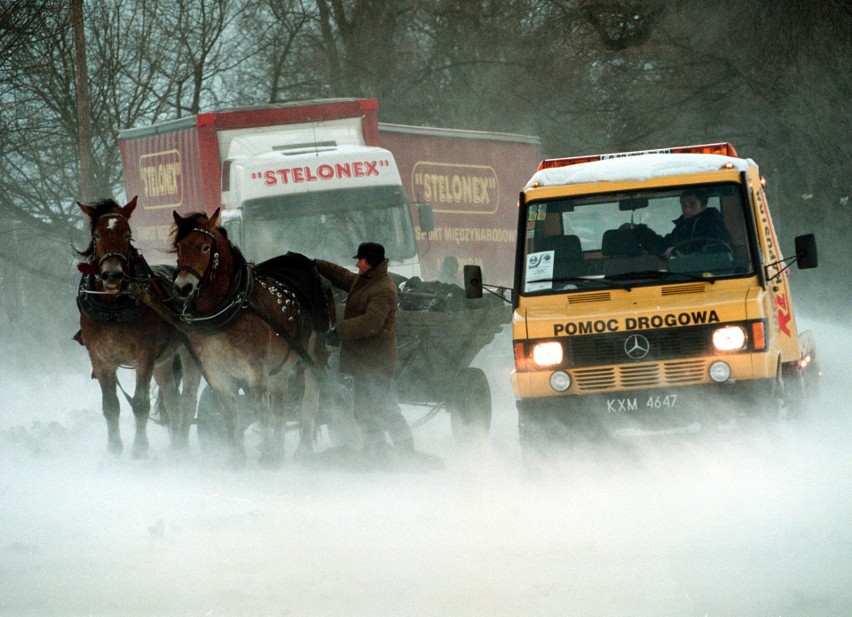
x=472, y=282
x=806, y=251
x=425, y=218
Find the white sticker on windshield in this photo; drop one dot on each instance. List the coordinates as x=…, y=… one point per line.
x=539, y=274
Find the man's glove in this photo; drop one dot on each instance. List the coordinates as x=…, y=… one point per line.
x=331, y=339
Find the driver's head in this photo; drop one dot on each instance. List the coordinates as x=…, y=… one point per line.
x=693, y=202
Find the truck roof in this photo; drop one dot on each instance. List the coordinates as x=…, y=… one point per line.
x=458, y=133
x=262, y=115
x=635, y=168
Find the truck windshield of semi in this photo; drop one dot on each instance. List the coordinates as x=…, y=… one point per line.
x=329, y=223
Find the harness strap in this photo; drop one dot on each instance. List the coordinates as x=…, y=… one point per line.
x=183, y=326
x=303, y=354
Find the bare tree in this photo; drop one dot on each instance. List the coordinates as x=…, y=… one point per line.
x=584, y=75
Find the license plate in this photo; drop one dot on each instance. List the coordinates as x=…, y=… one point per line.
x=641, y=403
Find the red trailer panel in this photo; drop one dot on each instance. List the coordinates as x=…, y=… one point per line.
x=471, y=179
x=166, y=170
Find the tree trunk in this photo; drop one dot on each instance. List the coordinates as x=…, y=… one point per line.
x=84, y=116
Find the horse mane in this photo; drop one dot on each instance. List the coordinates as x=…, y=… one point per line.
x=101, y=207
x=190, y=222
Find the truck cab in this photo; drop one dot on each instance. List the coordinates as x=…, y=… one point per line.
x=631, y=315
x=319, y=200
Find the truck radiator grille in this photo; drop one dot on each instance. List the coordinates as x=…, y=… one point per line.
x=668, y=344
x=690, y=371
x=646, y=375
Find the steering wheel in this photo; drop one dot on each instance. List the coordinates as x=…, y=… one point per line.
x=706, y=245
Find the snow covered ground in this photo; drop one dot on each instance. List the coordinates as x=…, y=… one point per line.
x=748, y=525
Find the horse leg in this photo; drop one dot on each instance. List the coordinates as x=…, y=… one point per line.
x=267, y=396
x=111, y=409
x=191, y=380
x=270, y=432
x=310, y=409
x=167, y=377
x=141, y=404
x=227, y=397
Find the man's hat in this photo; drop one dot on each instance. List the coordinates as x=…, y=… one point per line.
x=372, y=252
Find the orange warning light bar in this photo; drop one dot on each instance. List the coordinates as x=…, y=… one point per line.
x=722, y=148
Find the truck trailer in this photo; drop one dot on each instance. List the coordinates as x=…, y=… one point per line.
x=318, y=177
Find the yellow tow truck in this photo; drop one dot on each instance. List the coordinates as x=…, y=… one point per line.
x=650, y=294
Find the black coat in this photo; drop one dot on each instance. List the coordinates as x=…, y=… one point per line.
x=368, y=342
x=688, y=236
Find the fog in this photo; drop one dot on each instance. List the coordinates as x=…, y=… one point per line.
x=753, y=522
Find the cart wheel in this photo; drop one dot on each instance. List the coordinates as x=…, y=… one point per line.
x=470, y=408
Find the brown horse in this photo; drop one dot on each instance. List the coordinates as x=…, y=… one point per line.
x=250, y=326
x=119, y=331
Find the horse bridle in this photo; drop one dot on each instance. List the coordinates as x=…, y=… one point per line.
x=123, y=257
x=212, y=263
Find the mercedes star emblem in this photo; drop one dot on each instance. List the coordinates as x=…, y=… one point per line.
x=636, y=346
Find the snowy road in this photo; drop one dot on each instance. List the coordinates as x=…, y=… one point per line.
x=751, y=525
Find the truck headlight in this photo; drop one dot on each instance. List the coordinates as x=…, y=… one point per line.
x=548, y=353
x=729, y=338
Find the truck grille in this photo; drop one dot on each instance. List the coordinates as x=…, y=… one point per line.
x=642, y=375
x=665, y=344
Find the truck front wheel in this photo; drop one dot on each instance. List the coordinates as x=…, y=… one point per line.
x=793, y=391
x=548, y=427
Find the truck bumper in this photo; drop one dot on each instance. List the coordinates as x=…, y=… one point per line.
x=658, y=410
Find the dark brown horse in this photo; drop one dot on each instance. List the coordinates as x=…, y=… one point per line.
x=250, y=326
x=118, y=331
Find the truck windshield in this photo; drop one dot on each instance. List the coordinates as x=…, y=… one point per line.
x=329, y=224
x=637, y=238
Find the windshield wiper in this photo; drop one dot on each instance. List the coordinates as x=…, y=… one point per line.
x=660, y=274
x=578, y=280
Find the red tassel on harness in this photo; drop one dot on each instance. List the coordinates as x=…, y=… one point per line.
x=86, y=267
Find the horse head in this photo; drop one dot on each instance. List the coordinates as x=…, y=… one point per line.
x=198, y=242
x=109, y=252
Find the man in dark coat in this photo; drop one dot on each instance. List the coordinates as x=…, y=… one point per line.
x=368, y=346
x=698, y=227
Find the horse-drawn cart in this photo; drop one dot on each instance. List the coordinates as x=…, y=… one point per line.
x=435, y=349
x=439, y=333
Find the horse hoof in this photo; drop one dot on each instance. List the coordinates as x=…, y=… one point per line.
x=271, y=462
x=237, y=460
x=303, y=455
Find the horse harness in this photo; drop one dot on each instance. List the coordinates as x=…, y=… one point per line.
x=115, y=313
x=239, y=297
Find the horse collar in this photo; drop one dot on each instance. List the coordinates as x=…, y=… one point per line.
x=226, y=312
